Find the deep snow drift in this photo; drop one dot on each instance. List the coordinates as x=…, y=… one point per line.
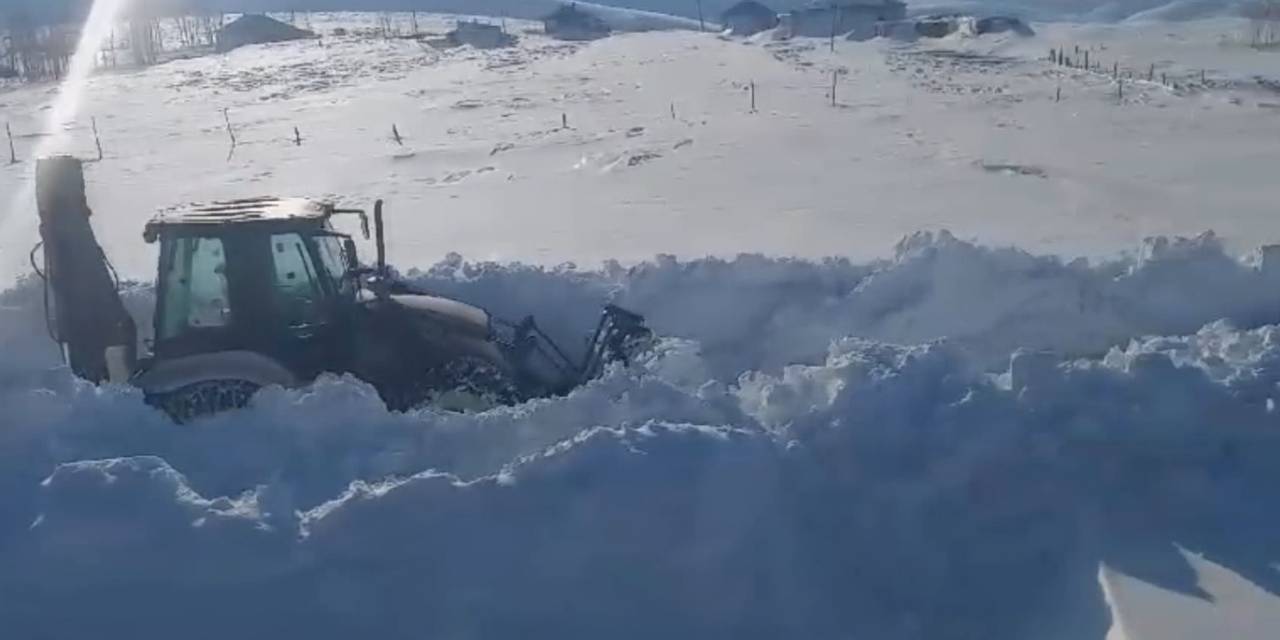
x=776, y=468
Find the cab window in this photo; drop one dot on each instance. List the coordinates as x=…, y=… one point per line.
x=333, y=263
x=298, y=292
x=195, y=286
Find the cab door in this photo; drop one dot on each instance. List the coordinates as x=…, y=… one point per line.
x=311, y=308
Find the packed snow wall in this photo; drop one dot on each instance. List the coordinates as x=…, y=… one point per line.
x=945, y=444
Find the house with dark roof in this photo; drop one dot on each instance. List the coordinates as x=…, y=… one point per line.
x=257, y=29
x=852, y=18
x=479, y=35
x=569, y=22
x=748, y=18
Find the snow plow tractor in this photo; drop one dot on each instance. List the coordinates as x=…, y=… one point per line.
x=265, y=292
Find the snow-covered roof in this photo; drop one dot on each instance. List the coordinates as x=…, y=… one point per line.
x=247, y=210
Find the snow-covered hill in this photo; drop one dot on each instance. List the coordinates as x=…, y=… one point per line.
x=1088, y=10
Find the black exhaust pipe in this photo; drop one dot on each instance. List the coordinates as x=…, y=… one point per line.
x=380, y=239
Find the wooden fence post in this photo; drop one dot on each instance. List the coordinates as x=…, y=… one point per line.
x=226, y=117
x=297, y=137
x=13, y=155
x=835, y=79
x=753, y=96
x=97, y=141
x=395, y=135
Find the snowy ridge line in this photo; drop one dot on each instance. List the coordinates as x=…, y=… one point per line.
x=704, y=492
x=1105, y=11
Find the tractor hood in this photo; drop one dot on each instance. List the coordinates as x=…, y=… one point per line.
x=457, y=316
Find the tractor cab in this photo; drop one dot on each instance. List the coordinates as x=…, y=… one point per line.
x=267, y=275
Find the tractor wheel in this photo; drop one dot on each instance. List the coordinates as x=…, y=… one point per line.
x=205, y=399
x=464, y=384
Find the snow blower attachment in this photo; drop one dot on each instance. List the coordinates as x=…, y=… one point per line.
x=97, y=335
x=261, y=292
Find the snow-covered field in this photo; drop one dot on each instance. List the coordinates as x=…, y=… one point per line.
x=864, y=427
x=918, y=140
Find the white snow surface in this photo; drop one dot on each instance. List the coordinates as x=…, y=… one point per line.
x=931, y=437
x=921, y=139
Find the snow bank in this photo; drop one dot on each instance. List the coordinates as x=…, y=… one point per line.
x=778, y=467
x=752, y=312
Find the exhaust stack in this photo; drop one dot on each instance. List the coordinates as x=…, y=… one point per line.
x=97, y=333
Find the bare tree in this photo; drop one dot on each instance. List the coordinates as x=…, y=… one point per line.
x=1264, y=22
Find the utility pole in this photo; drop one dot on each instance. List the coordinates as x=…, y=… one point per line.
x=835, y=19
x=702, y=24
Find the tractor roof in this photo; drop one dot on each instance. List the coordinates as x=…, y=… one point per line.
x=237, y=212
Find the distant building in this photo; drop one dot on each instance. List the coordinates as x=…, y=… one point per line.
x=853, y=18
x=571, y=23
x=748, y=18
x=937, y=26
x=1002, y=24
x=480, y=35
x=257, y=29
